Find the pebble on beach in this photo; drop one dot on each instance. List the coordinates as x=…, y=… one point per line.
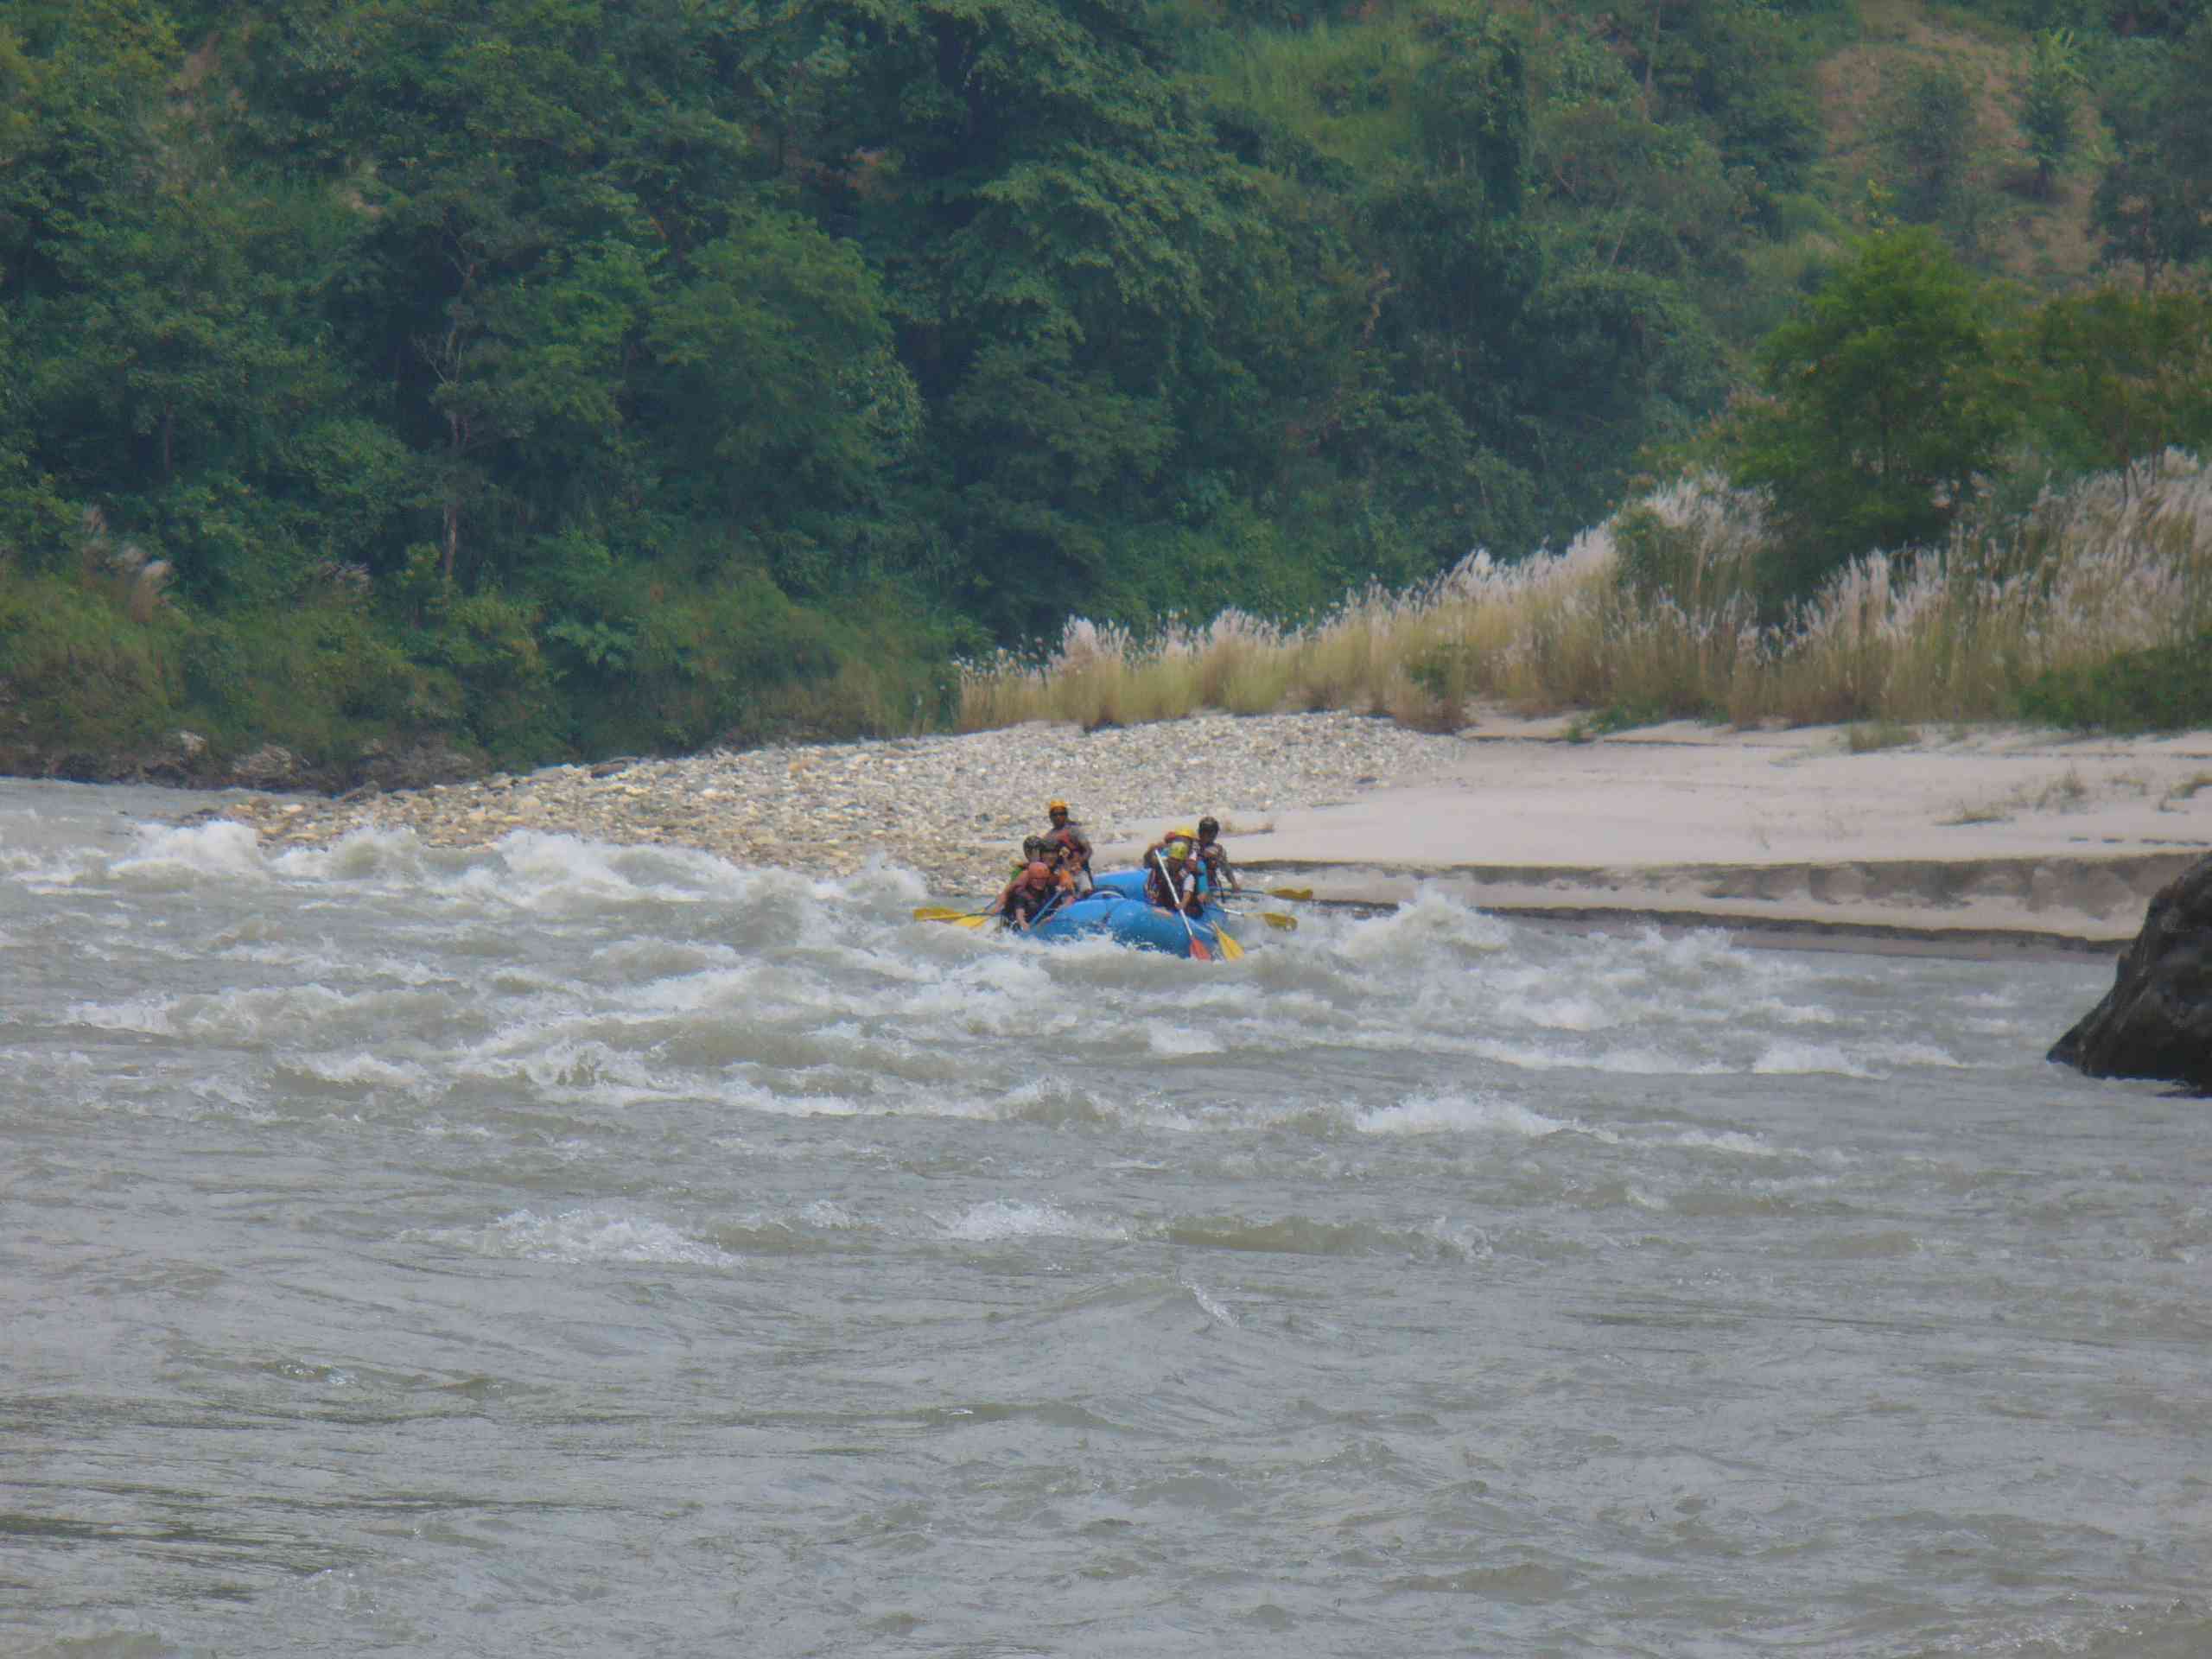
x=953, y=808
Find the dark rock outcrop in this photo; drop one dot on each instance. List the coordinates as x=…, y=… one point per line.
x=185, y=760
x=2157, y=1019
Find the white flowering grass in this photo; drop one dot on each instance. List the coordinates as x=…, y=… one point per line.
x=2109, y=564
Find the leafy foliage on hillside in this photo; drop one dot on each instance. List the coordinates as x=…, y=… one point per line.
x=565, y=375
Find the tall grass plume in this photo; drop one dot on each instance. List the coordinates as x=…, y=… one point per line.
x=1654, y=610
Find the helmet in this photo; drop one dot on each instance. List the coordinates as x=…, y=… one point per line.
x=1178, y=847
x=1209, y=826
x=1033, y=846
x=1038, y=872
x=1055, y=806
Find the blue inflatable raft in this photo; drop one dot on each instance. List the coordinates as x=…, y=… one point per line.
x=1116, y=907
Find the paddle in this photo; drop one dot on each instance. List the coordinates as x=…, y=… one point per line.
x=1044, y=911
x=1198, y=951
x=958, y=918
x=1230, y=951
x=1288, y=893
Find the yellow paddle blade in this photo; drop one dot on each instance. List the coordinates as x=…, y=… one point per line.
x=1281, y=922
x=1288, y=893
x=957, y=918
x=1230, y=951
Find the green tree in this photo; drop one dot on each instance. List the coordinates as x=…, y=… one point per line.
x=2049, y=98
x=1932, y=150
x=1883, y=402
x=2120, y=376
x=774, y=386
x=2153, y=206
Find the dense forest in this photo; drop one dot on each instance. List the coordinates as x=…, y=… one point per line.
x=547, y=378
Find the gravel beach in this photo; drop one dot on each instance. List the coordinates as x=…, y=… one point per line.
x=1968, y=833
x=953, y=808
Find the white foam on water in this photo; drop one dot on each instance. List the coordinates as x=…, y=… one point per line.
x=1457, y=1113
x=1003, y=994
x=883, y=889
x=1785, y=1058
x=648, y=957
x=1214, y=1307
x=1631, y=1062
x=1431, y=922
x=752, y=1097
x=1175, y=1042
x=1781, y=1011
x=74, y=1062
x=302, y=1012
x=38, y=872
x=364, y=1068
x=884, y=962
x=1699, y=951
x=1910, y=1053
x=1568, y=1010
x=254, y=1015
x=149, y=1016
x=439, y=1129
x=169, y=854
x=713, y=989
x=528, y=869
x=329, y=962
x=364, y=855
x=996, y=1220
x=1730, y=1140
x=1462, y=1239
x=588, y=1236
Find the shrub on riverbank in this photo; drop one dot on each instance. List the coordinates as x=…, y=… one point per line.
x=100, y=672
x=1655, y=611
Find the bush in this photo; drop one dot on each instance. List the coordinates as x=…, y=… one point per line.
x=2165, y=689
x=87, y=676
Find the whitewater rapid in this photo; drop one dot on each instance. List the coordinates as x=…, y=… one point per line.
x=603, y=1250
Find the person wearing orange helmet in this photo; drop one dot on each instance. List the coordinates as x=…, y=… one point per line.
x=1068, y=846
x=1029, y=893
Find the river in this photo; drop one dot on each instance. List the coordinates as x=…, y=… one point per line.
x=567, y=1250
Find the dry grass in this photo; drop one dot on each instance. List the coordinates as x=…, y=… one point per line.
x=2186, y=790
x=1872, y=736
x=2067, y=792
x=2110, y=565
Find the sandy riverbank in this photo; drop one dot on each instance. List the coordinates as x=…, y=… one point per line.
x=1978, y=835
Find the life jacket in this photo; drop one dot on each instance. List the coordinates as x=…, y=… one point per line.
x=1030, y=896
x=1069, y=838
x=1177, y=887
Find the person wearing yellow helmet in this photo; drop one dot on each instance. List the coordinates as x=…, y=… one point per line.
x=1171, y=876
x=1206, y=855
x=1067, y=846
